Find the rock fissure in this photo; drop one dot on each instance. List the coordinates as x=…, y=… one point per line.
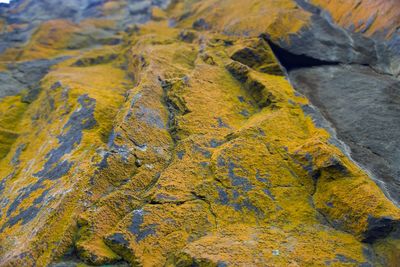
x=291, y=61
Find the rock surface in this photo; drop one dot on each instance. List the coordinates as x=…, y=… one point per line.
x=150, y=133
x=364, y=108
x=377, y=19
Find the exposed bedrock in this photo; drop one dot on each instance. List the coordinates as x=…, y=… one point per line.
x=377, y=19
x=25, y=76
x=324, y=41
x=181, y=142
x=350, y=79
x=364, y=108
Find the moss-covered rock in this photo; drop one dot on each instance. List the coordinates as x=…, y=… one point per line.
x=178, y=142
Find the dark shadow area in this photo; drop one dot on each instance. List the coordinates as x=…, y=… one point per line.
x=292, y=61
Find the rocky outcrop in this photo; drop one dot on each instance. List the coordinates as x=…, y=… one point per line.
x=25, y=76
x=376, y=19
x=319, y=72
x=363, y=106
x=181, y=141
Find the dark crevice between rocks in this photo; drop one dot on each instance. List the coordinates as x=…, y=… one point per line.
x=175, y=106
x=380, y=228
x=291, y=61
x=172, y=110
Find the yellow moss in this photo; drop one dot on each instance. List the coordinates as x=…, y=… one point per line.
x=10, y=55
x=2, y=25
x=354, y=197
x=252, y=19
x=389, y=251
x=210, y=173
x=202, y=93
x=3, y=66
x=158, y=14
x=11, y=112
x=107, y=85
x=105, y=24
x=286, y=129
x=51, y=37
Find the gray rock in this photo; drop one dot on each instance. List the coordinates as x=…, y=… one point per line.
x=9, y=85
x=364, y=108
x=25, y=76
x=324, y=41
x=379, y=228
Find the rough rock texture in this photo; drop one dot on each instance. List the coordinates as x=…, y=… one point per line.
x=377, y=19
x=172, y=137
x=364, y=108
x=24, y=76
x=361, y=103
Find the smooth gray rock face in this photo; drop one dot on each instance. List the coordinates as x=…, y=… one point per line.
x=364, y=108
x=324, y=41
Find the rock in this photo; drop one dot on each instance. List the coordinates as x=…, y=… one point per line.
x=256, y=89
x=201, y=25
x=324, y=41
x=187, y=36
x=31, y=14
x=25, y=75
x=259, y=56
x=174, y=137
x=120, y=244
x=343, y=94
x=362, y=17
x=103, y=59
x=379, y=228
x=9, y=85
x=238, y=70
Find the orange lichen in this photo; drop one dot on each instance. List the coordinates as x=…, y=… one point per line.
x=255, y=17
x=2, y=26
x=176, y=152
x=11, y=112
x=49, y=39
x=369, y=17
